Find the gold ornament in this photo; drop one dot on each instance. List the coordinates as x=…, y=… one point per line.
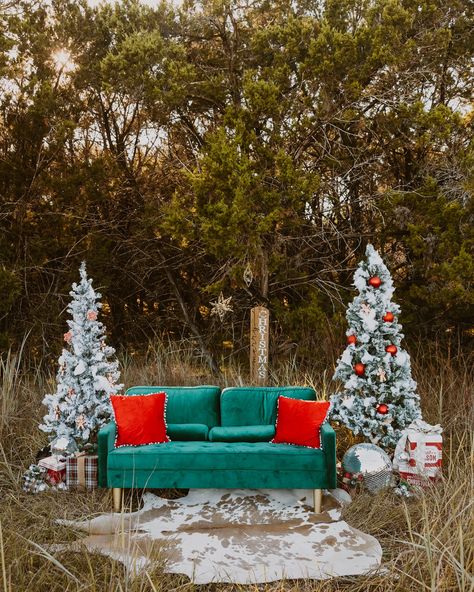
x=81, y=422
x=382, y=375
x=365, y=308
x=70, y=392
x=57, y=412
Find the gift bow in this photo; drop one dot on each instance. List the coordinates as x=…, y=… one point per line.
x=421, y=426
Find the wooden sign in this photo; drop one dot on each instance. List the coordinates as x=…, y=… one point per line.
x=259, y=332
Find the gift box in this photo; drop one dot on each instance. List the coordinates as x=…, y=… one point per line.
x=81, y=471
x=418, y=454
x=34, y=480
x=55, y=469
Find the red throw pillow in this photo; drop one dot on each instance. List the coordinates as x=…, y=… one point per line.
x=140, y=419
x=299, y=422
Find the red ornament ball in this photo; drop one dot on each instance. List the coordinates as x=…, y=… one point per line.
x=388, y=317
x=351, y=339
x=391, y=349
x=375, y=281
x=347, y=475
x=382, y=409
x=359, y=369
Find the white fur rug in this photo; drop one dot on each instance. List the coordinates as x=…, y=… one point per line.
x=235, y=536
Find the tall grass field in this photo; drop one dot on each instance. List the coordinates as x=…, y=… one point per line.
x=427, y=541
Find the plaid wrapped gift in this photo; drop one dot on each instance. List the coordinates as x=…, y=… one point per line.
x=34, y=479
x=81, y=471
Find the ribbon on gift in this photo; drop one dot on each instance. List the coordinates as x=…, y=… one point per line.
x=81, y=469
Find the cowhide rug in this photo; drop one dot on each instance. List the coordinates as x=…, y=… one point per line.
x=236, y=536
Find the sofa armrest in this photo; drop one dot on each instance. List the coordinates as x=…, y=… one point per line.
x=328, y=444
x=105, y=443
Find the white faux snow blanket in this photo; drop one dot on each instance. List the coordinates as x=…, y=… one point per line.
x=234, y=536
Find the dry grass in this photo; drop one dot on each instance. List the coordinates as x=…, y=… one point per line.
x=427, y=542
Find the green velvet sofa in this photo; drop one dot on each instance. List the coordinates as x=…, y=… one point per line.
x=220, y=439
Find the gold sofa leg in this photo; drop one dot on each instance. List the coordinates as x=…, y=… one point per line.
x=317, y=498
x=117, y=497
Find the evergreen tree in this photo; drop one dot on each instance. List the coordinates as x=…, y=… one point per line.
x=379, y=398
x=86, y=375
x=290, y=131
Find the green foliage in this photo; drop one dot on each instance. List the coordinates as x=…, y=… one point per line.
x=182, y=145
x=436, y=236
x=10, y=289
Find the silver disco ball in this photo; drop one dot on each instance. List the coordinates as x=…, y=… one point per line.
x=372, y=462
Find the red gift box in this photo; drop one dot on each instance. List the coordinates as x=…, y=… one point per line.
x=56, y=469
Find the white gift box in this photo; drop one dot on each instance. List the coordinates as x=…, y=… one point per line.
x=52, y=463
x=418, y=454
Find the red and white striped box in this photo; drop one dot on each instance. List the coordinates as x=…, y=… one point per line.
x=419, y=454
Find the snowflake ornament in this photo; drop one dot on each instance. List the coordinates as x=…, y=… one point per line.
x=221, y=306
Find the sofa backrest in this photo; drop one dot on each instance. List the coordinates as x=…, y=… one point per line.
x=187, y=404
x=253, y=405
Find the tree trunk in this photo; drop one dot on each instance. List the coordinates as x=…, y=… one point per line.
x=189, y=322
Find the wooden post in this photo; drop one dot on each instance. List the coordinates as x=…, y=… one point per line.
x=117, y=495
x=259, y=332
x=317, y=499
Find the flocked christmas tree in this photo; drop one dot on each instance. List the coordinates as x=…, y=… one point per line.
x=87, y=373
x=379, y=398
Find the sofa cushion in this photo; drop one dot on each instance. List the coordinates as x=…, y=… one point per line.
x=140, y=420
x=299, y=422
x=187, y=431
x=258, y=433
x=187, y=404
x=244, y=406
x=216, y=456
